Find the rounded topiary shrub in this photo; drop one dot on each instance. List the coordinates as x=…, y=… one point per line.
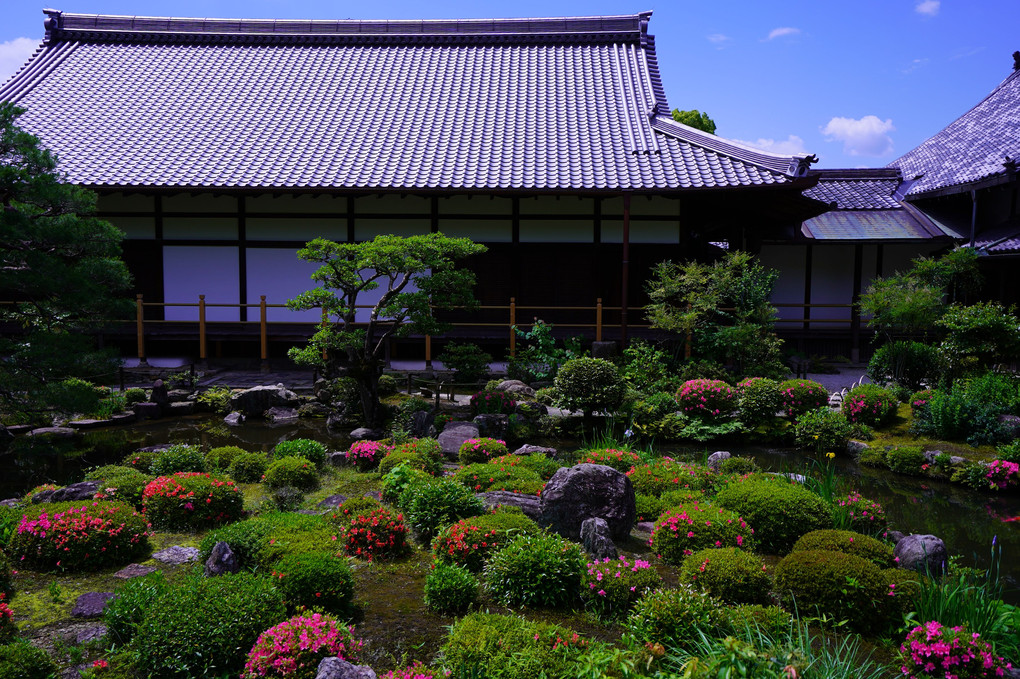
x=353, y=507
x=480, y=477
x=539, y=463
x=801, y=396
x=780, y=511
x=192, y=500
x=450, y=589
x=88, y=535
x=672, y=615
x=620, y=460
x=313, y=451
x=248, y=467
x=710, y=400
x=758, y=400
x=840, y=586
x=539, y=570
x=295, y=647
x=205, y=626
x=905, y=459
x=647, y=507
x=22, y=660
x=666, y=474
x=481, y=450
x=375, y=535
x=219, y=459
x=611, y=587
x=471, y=541
x=693, y=526
x=589, y=385
x=315, y=579
x=423, y=454
x=869, y=404
x=823, y=431
x=848, y=542
x=296, y=472
x=140, y=460
x=177, y=458
x=431, y=504
x=728, y=573
x=366, y=455
x=121, y=484
x=739, y=466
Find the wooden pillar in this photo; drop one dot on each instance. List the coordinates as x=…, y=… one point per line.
x=807, y=286
x=263, y=334
x=855, y=310
x=140, y=325
x=202, y=355
x=598, y=320
x=624, y=291
x=513, y=326
x=428, y=352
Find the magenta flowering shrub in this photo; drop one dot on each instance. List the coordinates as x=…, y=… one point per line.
x=1002, y=474
x=694, y=526
x=295, y=647
x=7, y=627
x=191, y=500
x=934, y=650
x=415, y=670
x=802, y=396
x=480, y=450
x=869, y=404
x=79, y=535
x=707, y=399
x=919, y=401
x=667, y=474
x=856, y=512
x=492, y=401
x=611, y=587
x=366, y=455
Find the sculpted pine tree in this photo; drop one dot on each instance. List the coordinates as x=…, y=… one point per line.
x=61, y=268
x=418, y=276
x=696, y=119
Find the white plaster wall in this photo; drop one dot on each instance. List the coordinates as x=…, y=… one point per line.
x=190, y=271
x=832, y=281
x=200, y=228
x=479, y=230
x=278, y=274
x=557, y=231
x=303, y=229
x=789, y=288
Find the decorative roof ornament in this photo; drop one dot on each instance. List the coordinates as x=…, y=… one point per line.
x=1016, y=61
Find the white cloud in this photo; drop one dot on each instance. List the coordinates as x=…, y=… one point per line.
x=914, y=65
x=928, y=7
x=789, y=146
x=14, y=54
x=868, y=136
x=782, y=32
x=718, y=39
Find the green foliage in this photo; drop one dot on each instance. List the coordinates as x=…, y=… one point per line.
x=802, y=396
x=467, y=361
x=248, y=467
x=480, y=477
x=215, y=399
x=655, y=417
x=417, y=275
x=128, y=609
x=537, y=357
x=770, y=620
x=907, y=363
x=120, y=483
x=758, y=400
x=399, y=477
x=22, y=660
x=696, y=119
x=823, y=431
x=205, y=626
x=313, y=451
x=739, y=466
x=620, y=460
x=729, y=574
x=297, y=472
x=536, y=462
x=1009, y=452
x=611, y=587
x=979, y=335
x=6, y=583
x=647, y=368
x=315, y=579
x=692, y=526
x=450, y=589
x=220, y=459
x=62, y=266
x=969, y=410
x=666, y=474
x=140, y=459
x=537, y=570
x=779, y=511
x=870, y=405
x=589, y=385
x=178, y=458
x=672, y=616
x=471, y=541
x=350, y=508
x=258, y=542
x=837, y=585
x=481, y=450
x=431, y=504
x=847, y=542
x=905, y=459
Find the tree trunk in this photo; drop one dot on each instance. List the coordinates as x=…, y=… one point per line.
x=367, y=376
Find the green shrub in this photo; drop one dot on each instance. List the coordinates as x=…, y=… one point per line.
x=738, y=620
x=191, y=500
x=537, y=462
x=506, y=647
x=823, y=431
x=469, y=542
x=481, y=450
x=248, y=467
x=739, y=466
x=779, y=511
x=6, y=578
x=710, y=400
x=123, y=484
x=398, y=479
x=1009, y=452
x=125, y=612
x=611, y=587
x=848, y=542
x=801, y=396
x=352, y=507
x=215, y=400
x=869, y=404
x=675, y=498
x=205, y=626
x=423, y=454
x=547, y=396
x=672, y=616
x=907, y=363
x=297, y=472
x=178, y=458
x=758, y=400
x=22, y=660
x=87, y=534
x=956, y=415
x=140, y=460
x=656, y=417
x=729, y=574
x=313, y=451
x=666, y=474
x=492, y=402
x=620, y=460
x=259, y=542
x=134, y=395
x=315, y=580
x=481, y=477
x=387, y=385
x=431, y=504
x=295, y=648
x=905, y=459
x=693, y=526
x=648, y=507
x=538, y=570
x=220, y=459
x=450, y=589
x=871, y=457
x=589, y=385
x=841, y=586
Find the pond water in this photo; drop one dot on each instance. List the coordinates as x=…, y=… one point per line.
x=966, y=520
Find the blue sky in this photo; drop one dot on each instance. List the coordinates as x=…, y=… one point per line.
x=857, y=83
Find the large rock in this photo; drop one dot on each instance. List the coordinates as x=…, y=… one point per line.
x=257, y=400
x=596, y=539
x=493, y=425
x=281, y=414
x=529, y=504
x=147, y=410
x=422, y=424
x=338, y=668
x=584, y=491
x=234, y=419
x=180, y=408
x=516, y=387
x=716, y=459
x=177, y=555
x=923, y=553
x=455, y=434
x=366, y=434
x=54, y=432
x=91, y=604
x=83, y=490
x=222, y=560
x=855, y=448
x=528, y=449
x=159, y=393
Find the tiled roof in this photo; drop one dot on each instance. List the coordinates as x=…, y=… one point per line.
x=543, y=104
x=871, y=189
x=971, y=148
x=1000, y=240
x=859, y=225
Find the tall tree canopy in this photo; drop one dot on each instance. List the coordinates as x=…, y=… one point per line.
x=696, y=119
x=60, y=266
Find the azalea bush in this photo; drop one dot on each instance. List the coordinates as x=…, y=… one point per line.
x=856, y=512
x=192, y=500
x=934, y=650
x=296, y=472
x=869, y=404
x=430, y=504
x=667, y=474
x=611, y=587
x=696, y=525
x=318, y=579
x=376, y=535
x=620, y=460
x=366, y=455
x=492, y=401
x=728, y=573
x=707, y=399
x=88, y=535
x=295, y=647
x=506, y=475
x=471, y=541
x=779, y=510
x=313, y=451
x=1003, y=474
x=481, y=449
x=801, y=396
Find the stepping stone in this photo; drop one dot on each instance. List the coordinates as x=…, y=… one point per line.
x=90, y=633
x=91, y=604
x=134, y=570
x=332, y=501
x=177, y=555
